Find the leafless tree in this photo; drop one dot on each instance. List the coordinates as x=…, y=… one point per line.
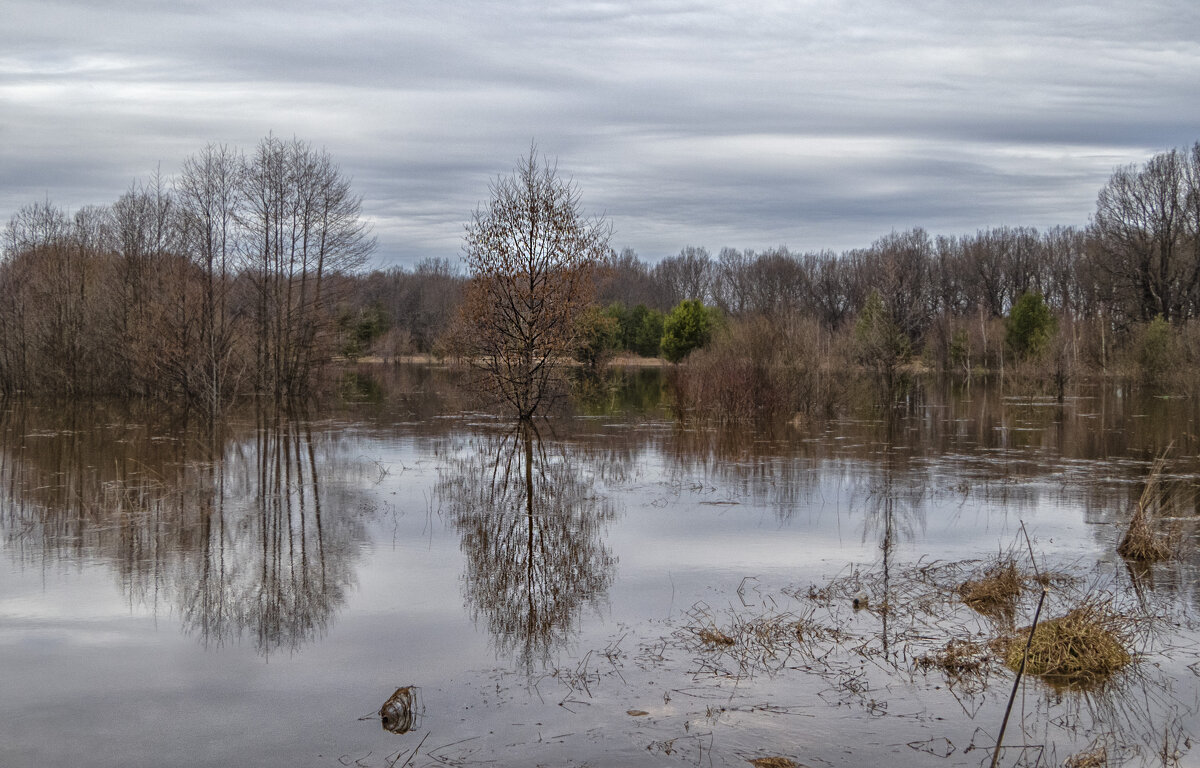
x=532, y=256
x=302, y=226
x=209, y=195
x=147, y=238
x=530, y=529
x=687, y=275
x=1140, y=238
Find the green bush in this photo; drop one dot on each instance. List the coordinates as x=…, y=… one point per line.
x=640, y=329
x=1029, y=327
x=361, y=328
x=689, y=326
x=879, y=342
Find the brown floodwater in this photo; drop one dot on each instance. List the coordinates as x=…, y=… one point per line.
x=400, y=578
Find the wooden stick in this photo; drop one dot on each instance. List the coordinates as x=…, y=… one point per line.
x=1017, y=683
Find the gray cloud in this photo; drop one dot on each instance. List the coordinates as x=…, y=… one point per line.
x=810, y=124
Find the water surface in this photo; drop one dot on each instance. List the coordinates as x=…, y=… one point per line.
x=253, y=596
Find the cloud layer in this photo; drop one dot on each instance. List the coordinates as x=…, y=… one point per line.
x=810, y=124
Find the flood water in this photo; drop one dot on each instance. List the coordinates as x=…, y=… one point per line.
x=253, y=597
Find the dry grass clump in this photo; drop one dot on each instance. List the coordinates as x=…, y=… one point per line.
x=1095, y=757
x=1085, y=646
x=773, y=762
x=995, y=591
x=1141, y=542
x=746, y=646
x=809, y=631
x=714, y=636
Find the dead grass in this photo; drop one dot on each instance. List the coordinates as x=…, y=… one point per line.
x=1083, y=647
x=1141, y=542
x=996, y=590
x=1095, y=757
x=773, y=762
x=958, y=658
x=713, y=636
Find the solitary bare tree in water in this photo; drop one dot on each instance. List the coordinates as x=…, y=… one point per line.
x=532, y=255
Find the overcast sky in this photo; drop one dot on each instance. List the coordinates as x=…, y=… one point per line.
x=748, y=124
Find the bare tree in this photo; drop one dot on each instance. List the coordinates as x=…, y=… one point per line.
x=1139, y=238
x=209, y=192
x=303, y=226
x=532, y=255
x=687, y=275
x=144, y=223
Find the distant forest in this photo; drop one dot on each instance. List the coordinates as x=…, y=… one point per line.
x=245, y=274
x=1119, y=295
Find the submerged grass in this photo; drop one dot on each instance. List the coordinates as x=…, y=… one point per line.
x=958, y=658
x=714, y=637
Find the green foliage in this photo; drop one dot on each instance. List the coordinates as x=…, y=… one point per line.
x=361, y=328
x=599, y=334
x=689, y=326
x=640, y=328
x=357, y=387
x=1154, y=350
x=1029, y=327
x=647, y=331
x=879, y=342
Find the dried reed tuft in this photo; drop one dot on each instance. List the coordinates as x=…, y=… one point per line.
x=714, y=637
x=1141, y=542
x=773, y=762
x=995, y=592
x=1083, y=647
x=1094, y=757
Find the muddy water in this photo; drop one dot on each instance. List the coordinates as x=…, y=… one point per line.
x=255, y=596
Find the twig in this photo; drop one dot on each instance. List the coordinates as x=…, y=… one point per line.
x=412, y=754
x=1032, y=559
x=1017, y=682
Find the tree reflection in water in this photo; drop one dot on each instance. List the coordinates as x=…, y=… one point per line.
x=530, y=526
x=234, y=532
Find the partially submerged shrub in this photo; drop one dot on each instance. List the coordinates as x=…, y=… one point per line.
x=1085, y=646
x=763, y=368
x=1153, y=347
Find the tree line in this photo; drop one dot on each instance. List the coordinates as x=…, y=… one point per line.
x=223, y=281
x=945, y=299
x=242, y=274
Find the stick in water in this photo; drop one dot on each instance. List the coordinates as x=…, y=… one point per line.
x=1017, y=683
